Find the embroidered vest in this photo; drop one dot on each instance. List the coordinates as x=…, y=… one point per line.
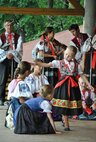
x=3, y=38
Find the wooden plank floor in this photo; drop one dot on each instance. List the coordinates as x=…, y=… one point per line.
x=82, y=131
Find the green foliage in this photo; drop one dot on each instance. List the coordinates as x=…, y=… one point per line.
x=33, y=26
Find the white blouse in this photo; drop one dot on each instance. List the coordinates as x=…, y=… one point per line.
x=46, y=106
x=67, y=68
x=36, y=82
x=21, y=90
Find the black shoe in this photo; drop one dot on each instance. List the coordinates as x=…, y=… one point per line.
x=67, y=129
x=1, y=103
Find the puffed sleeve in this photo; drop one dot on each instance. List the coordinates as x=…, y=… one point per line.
x=87, y=45
x=22, y=90
x=46, y=106
x=56, y=64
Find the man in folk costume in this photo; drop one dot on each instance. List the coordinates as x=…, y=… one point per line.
x=78, y=40
x=53, y=49
x=10, y=55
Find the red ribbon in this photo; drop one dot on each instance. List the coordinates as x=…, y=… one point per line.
x=10, y=40
x=94, y=60
x=49, y=44
x=71, y=82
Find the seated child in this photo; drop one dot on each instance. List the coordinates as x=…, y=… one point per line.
x=18, y=92
x=34, y=116
x=88, y=98
x=36, y=79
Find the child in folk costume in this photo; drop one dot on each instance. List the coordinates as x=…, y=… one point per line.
x=88, y=100
x=36, y=79
x=19, y=91
x=17, y=86
x=67, y=96
x=34, y=116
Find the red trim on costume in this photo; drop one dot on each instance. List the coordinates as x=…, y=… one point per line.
x=10, y=40
x=71, y=82
x=49, y=44
x=94, y=60
x=88, y=110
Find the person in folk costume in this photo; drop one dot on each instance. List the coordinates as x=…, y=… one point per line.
x=78, y=40
x=36, y=79
x=10, y=55
x=18, y=91
x=34, y=116
x=52, y=49
x=67, y=96
x=90, y=59
x=88, y=100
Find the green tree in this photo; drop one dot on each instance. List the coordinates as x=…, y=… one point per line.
x=32, y=26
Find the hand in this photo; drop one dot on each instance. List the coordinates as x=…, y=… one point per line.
x=10, y=56
x=55, y=57
x=58, y=132
x=91, y=88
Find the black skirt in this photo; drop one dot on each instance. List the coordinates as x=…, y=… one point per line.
x=67, y=99
x=31, y=122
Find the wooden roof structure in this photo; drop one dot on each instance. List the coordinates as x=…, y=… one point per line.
x=78, y=10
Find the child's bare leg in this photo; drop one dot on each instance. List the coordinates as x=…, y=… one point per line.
x=66, y=122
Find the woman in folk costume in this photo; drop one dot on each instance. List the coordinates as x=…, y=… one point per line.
x=90, y=59
x=52, y=50
x=67, y=96
x=36, y=79
x=34, y=116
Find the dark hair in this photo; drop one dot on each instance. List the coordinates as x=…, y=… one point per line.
x=74, y=27
x=46, y=89
x=49, y=30
x=23, y=66
x=8, y=20
x=72, y=48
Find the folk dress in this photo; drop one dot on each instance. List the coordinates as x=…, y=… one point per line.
x=67, y=95
x=31, y=117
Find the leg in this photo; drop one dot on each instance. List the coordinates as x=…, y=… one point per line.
x=66, y=121
x=3, y=80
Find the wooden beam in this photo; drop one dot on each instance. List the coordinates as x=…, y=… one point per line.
x=42, y=11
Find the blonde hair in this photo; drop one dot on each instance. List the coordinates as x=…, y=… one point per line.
x=73, y=49
x=46, y=90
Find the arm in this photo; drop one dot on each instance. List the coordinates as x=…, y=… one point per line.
x=52, y=123
x=19, y=48
x=87, y=82
x=44, y=64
